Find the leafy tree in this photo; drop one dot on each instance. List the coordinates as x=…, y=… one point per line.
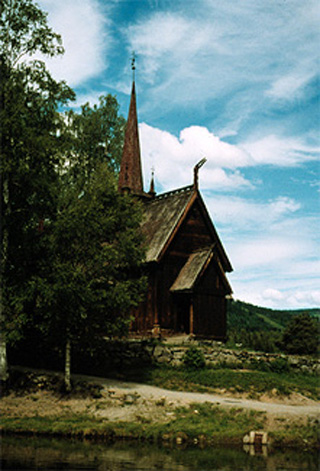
x=95, y=274
x=29, y=145
x=301, y=335
x=71, y=252
x=95, y=136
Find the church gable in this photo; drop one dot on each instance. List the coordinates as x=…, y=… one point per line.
x=162, y=217
x=196, y=231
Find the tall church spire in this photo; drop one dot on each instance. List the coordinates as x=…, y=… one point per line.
x=130, y=177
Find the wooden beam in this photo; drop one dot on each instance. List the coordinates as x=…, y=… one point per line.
x=156, y=326
x=191, y=316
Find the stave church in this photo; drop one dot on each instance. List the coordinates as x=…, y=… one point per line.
x=186, y=262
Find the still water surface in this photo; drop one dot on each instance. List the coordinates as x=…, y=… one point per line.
x=56, y=454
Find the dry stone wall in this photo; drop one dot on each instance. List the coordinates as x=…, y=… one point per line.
x=144, y=352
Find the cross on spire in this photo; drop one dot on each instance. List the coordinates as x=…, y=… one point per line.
x=133, y=65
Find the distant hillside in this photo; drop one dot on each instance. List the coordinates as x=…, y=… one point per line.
x=252, y=318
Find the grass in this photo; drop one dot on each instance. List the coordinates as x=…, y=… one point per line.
x=204, y=424
x=214, y=424
x=295, y=434
x=269, y=321
x=198, y=420
x=208, y=379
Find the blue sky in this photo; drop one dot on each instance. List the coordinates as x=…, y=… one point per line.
x=237, y=82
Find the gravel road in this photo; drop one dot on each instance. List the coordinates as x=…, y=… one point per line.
x=152, y=393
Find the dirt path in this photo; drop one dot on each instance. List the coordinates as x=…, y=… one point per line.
x=131, y=402
x=152, y=393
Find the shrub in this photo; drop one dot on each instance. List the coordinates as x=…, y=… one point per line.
x=280, y=365
x=194, y=358
x=259, y=365
x=301, y=335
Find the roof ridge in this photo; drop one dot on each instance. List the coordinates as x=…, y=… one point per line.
x=167, y=194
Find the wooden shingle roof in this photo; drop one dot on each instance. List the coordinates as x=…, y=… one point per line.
x=161, y=218
x=190, y=272
x=194, y=268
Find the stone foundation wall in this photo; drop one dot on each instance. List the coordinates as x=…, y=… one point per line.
x=144, y=352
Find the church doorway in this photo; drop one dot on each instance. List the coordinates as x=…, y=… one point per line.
x=182, y=313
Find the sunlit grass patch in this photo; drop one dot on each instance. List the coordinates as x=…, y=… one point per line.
x=236, y=381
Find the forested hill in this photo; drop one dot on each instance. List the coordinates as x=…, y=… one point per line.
x=252, y=318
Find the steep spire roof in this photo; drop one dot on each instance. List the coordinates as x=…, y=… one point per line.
x=130, y=177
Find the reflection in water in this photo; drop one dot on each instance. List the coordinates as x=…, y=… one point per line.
x=43, y=454
x=254, y=450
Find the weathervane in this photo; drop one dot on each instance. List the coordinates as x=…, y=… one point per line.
x=133, y=64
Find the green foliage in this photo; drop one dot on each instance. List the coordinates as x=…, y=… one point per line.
x=71, y=247
x=252, y=318
x=259, y=328
x=301, y=335
x=95, y=273
x=30, y=144
x=24, y=31
x=264, y=341
x=193, y=358
x=94, y=136
x=278, y=365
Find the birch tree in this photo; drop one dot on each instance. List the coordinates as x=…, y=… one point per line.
x=29, y=99
x=96, y=273
x=95, y=135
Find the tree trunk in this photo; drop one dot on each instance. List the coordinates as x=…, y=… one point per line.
x=5, y=202
x=3, y=359
x=67, y=371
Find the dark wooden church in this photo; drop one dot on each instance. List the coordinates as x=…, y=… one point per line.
x=187, y=264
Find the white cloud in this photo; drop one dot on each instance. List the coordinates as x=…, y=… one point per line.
x=280, y=151
x=287, y=283
x=266, y=252
x=273, y=294
x=289, y=298
x=85, y=38
x=174, y=158
x=288, y=86
x=248, y=52
x=273, y=248
x=170, y=37
x=92, y=98
x=219, y=153
x=248, y=214
x=304, y=298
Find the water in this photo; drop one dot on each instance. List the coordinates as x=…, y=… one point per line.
x=56, y=454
